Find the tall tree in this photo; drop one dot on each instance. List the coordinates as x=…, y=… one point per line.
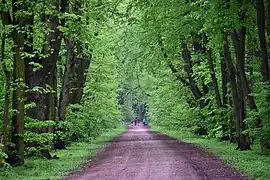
x=237, y=97
x=19, y=78
x=6, y=20
x=76, y=68
x=45, y=77
x=260, y=9
x=188, y=69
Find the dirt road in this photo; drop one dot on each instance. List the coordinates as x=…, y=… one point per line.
x=140, y=154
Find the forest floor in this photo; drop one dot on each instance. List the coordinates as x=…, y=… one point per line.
x=142, y=154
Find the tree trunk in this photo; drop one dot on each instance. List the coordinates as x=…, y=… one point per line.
x=208, y=53
x=53, y=41
x=239, y=111
x=44, y=77
x=18, y=94
x=214, y=78
x=185, y=53
x=81, y=70
x=188, y=69
x=261, y=31
x=268, y=30
x=226, y=121
x=198, y=48
x=53, y=100
x=243, y=139
x=28, y=48
x=73, y=83
x=239, y=45
x=171, y=66
x=238, y=39
x=268, y=27
x=67, y=78
x=73, y=80
x=6, y=20
x=224, y=78
x=7, y=96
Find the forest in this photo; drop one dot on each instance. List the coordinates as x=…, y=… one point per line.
x=74, y=69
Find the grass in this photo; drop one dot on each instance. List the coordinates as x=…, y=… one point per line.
x=76, y=155
x=252, y=163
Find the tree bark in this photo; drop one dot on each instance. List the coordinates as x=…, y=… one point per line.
x=214, y=78
x=6, y=19
x=188, y=69
x=44, y=77
x=7, y=96
x=19, y=81
x=73, y=80
x=224, y=78
x=198, y=48
x=226, y=125
x=239, y=110
x=171, y=66
x=238, y=39
x=178, y=77
x=261, y=31
x=67, y=78
x=239, y=45
x=28, y=48
x=268, y=27
x=81, y=70
x=243, y=139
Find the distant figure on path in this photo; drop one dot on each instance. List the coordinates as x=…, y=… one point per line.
x=144, y=122
x=137, y=121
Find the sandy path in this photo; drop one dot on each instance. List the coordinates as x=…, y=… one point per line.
x=140, y=154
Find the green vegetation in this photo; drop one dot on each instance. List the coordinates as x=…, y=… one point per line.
x=59, y=78
x=76, y=155
x=73, y=69
x=252, y=163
